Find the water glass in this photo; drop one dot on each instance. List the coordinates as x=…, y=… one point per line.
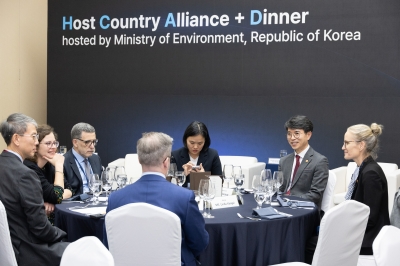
x=282, y=153
x=208, y=191
x=95, y=187
x=260, y=195
x=278, y=177
x=121, y=180
x=227, y=173
x=180, y=177
x=201, y=195
x=63, y=150
x=239, y=180
x=106, y=184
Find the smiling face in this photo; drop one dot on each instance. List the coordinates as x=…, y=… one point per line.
x=44, y=149
x=298, y=139
x=195, y=145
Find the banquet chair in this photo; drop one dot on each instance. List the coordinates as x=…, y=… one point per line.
x=327, y=199
x=7, y=256
x=85, y=251
x=250, y=167
x=386, y=249
x=133, y=168
x=144, y=234
x=340, y=237
x=343, y=177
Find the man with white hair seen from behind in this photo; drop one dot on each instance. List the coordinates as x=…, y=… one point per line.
x=35, y=241
x=154, y=151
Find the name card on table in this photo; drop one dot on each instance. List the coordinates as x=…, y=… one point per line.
x=224, y=202
x=227, y=191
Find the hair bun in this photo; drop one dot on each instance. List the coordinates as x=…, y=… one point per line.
x=376, y=129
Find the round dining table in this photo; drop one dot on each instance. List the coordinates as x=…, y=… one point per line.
x=233, y=240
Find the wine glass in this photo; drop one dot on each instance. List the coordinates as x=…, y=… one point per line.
x=180, y=177
x=208, y=191
x=266, y=177
x=239, y=180
x=119, y=171
x=270, y=189
x=106, y=184
x=201, y=195
x=121, y=180
x=171, y=170
x=227, y=172
x=282, y=153
x=94, y=186
x=260, y=195
x=111, y=175
x=278, y=176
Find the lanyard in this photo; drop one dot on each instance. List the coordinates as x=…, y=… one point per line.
x=80, y=166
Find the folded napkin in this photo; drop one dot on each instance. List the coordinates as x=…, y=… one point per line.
x=267, y=213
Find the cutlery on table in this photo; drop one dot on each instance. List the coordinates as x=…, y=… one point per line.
x=251, y=218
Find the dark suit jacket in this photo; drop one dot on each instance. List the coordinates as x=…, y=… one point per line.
x=71, y=171
x=156, y=190
x=209, y=159
x=35, y=241
x=371, y=189
x=311, y=177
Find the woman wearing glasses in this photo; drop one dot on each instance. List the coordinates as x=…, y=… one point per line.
x=196, y=152
x=368, y=183
x=48, y=165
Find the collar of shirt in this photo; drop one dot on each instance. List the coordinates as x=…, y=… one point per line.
x=79, y=157
x=13, y=152
x=153, y=173
x=303, y=153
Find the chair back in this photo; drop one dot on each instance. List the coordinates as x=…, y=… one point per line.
x=327, y=199
x=7, y=255
x=85, y=251
x=133, y=168
x=144, y=234
x=341, y=234
x=386, y=246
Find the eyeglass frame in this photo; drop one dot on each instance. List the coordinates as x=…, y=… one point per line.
x=347, y=142
x=290, y=135
x=87, y=143
x=50, y=144
x=34, y=136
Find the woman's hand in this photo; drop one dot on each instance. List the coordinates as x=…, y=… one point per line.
x=188, y=168
x=49, y=208
x=57, y=161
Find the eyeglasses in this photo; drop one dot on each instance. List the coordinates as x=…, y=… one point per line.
x=347, y=142
x=296, y=134
x=34, y=136
x=89, y=142
x=50, y=144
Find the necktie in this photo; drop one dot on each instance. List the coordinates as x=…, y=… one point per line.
x=296, y=167
x=87, y=168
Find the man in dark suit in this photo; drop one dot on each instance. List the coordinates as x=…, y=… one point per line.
x=154, y=150
x=80, y=162
x=305, y=171
x=35, y=241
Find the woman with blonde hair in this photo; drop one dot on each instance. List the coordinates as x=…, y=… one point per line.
x=368, y=183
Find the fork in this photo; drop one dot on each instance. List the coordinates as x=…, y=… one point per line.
x=251, y=218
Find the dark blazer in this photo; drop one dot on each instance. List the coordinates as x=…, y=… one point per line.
x=156, y=190
x=35, y=241
x=72, y=174
x=311, y=177
x=371, y=189
x=209, y=158
x=46, y=176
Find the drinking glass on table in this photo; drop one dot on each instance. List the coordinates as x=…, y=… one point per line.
x=180, y=177
x=266, y=177
x=106, y=184
x=260, y=195
x=239, y=180
x=227, y=173
x=278, y=177
x=121, y=180
x=201, y=195
x=271, y=190
x=95, y=187
x=208, y=191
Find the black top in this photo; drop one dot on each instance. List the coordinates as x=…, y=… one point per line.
x=371, y=189
x=209, y=158
x=51, y=194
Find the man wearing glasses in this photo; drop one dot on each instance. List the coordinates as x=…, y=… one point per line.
x=35, y=241
x=305, y=171
x=80, y=162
